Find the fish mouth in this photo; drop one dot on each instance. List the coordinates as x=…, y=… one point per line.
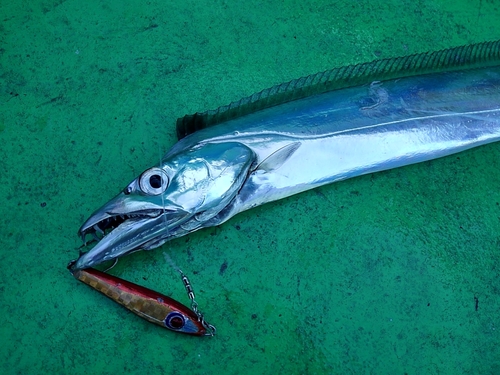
x=117, y=235
x=98, y=226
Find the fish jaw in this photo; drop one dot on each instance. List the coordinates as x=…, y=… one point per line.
x=130, y=236
x=125, y=206
x=126, y=223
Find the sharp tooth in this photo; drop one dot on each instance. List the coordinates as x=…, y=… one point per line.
x=98, y=229
x=95, y=236
x=123, y=217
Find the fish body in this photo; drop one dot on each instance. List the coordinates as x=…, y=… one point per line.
x=146, y=303
x=315, y=141
x=218, y=170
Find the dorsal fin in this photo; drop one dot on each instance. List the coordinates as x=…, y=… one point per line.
x=470, y=56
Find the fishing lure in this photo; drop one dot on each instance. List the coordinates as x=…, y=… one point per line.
x=148, y=304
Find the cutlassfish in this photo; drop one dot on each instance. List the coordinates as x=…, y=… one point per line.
x=299, y=135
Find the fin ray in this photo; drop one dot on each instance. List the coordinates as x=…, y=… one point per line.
x=468, y=56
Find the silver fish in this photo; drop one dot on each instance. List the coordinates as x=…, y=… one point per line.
x=300, y=135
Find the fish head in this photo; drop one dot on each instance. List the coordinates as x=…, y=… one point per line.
x=185, y=193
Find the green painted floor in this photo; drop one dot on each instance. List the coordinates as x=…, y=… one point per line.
x=375, y=275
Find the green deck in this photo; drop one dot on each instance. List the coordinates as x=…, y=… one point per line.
x=374, y=275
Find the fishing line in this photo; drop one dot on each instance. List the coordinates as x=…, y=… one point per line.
x=163, y=200
x=165, y=221
x=163, y=195
x=187, y=284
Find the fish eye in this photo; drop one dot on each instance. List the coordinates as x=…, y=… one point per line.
x=154, y=181
x=175, y=321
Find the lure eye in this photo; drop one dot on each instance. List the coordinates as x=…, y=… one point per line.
x=175, y=321
x=154, y=181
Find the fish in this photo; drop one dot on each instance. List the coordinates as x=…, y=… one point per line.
x=146, y=303
x=300, y=135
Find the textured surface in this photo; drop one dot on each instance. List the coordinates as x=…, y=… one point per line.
x=379, y=274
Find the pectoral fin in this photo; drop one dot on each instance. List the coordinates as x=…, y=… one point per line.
x=278, y=157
